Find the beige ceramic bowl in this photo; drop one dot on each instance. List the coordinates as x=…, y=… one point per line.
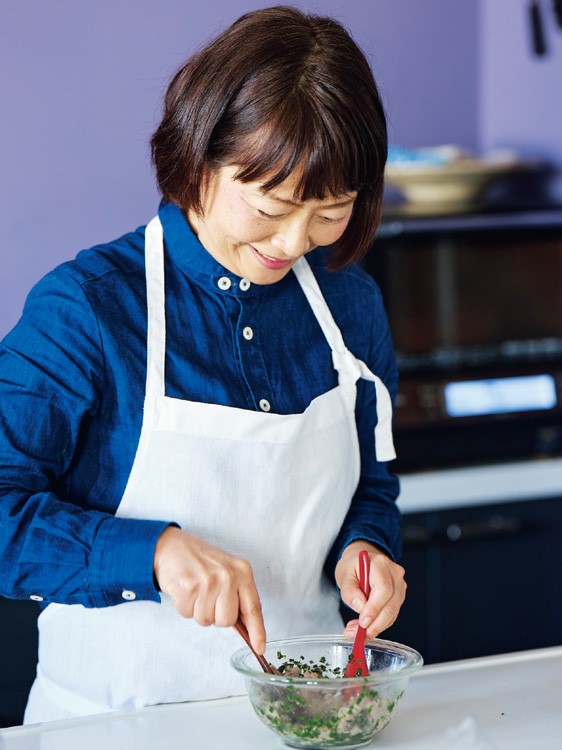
x=458, y=184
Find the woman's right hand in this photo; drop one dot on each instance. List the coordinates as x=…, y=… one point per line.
x=208, y=584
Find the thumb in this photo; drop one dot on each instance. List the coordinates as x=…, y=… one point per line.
x=351, y=593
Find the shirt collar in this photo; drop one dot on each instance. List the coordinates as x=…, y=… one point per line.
x=189, y=255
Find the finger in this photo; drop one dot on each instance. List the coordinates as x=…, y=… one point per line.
x=227, y=608
x=205, y=600
x=387, y=583
x=386, y=617
x=351, y=593
x=251, y=614
x=380, y=596
x=217, y=594
x=217, y=602
x=387, y=611
x=350, y=630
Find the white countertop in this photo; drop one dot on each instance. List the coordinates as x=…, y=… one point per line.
x=510, y=702
x=480, y=485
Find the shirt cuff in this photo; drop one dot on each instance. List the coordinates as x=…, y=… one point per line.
x=375, y=541
x=352, y=536
x=121, y=565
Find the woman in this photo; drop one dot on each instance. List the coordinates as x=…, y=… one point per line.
x=195, y=418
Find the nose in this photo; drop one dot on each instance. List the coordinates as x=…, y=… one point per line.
x=292, y=239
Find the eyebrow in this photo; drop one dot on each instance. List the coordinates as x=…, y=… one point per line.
x=287, y=202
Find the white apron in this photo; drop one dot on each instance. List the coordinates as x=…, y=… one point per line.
x=271, y=488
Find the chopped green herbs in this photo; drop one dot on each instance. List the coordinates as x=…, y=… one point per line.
x=301, y=668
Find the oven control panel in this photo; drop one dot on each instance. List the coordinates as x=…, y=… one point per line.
x=424, y=401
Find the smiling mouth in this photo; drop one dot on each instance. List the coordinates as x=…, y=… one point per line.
x=269, y=257
x=270, y=262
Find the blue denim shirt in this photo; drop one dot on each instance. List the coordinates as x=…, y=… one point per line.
x=72, y=382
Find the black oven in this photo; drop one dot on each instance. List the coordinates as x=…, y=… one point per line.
x=475, y=308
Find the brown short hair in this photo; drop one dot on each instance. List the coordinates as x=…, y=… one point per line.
x=279, y=91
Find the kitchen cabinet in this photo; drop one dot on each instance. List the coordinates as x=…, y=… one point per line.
x=18, y=657
x=482, y=580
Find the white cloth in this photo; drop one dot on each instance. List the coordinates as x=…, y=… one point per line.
x=268, y=487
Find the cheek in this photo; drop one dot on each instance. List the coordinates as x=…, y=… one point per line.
x=243, y=225
x=327, y=234
x=248, y=231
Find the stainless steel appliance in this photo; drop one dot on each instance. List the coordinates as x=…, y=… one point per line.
x=475, y=308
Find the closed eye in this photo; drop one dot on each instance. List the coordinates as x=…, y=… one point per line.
x=331, y=220
x=269, y=216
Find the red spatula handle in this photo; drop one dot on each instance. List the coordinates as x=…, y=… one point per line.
x=364, y=565
x=357, y=665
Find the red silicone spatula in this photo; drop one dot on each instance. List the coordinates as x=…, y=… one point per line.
x=357, y=665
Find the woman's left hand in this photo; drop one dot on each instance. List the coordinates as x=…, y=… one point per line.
x=388, y=589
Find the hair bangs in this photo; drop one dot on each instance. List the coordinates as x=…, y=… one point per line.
x=325, y=160
x=298, y=101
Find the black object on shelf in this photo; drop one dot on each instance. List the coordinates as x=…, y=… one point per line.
x=537, y=28
x=557, y=7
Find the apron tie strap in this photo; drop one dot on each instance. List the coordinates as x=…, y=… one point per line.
x=349, y=368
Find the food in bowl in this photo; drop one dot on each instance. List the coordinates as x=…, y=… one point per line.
x=311, y=705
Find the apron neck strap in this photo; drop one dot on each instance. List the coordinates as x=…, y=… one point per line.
x=344, y=362
x=349, y=368
x=156, y=303
x=311, y=289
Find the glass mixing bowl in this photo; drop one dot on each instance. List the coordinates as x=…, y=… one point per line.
x=322, y=709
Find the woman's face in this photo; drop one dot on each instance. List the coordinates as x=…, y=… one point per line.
x=259, y=235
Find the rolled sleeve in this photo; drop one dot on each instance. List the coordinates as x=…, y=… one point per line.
x=57, y=545
x=121, y=564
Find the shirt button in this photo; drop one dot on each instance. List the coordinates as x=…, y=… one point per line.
x=36, y=598
x=224, y=283
x=264, y=404
x=248, y=333
x=244, y=285
x=128, y=595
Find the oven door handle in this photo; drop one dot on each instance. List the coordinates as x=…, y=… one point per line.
x=494, y=527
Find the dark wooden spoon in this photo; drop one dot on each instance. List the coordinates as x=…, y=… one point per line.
x=264, y=664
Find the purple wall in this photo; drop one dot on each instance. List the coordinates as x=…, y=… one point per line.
x=82, y=84
x=520, y=93
x=81, y=90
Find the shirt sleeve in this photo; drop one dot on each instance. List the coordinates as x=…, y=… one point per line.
x=51, y=378
x=373, y=514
